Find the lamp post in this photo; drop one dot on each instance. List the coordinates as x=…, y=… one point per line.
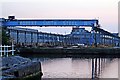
x=12, y=40
x=12, y=48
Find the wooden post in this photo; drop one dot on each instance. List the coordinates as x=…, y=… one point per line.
x=1, y=50
x=4, y=50
x=7, y=50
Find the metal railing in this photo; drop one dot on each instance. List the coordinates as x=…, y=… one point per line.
x=5, y=50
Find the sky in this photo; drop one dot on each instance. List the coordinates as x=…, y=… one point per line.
x=106, y=11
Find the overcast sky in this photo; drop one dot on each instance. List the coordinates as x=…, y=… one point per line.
x=104, y=10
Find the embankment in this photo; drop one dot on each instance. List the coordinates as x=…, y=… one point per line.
x=74, y=52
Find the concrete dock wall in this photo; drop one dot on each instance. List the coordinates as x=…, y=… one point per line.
x=64, y=51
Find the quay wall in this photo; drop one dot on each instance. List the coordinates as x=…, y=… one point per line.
x=72, y=52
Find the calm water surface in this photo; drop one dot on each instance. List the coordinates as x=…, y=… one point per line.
x=79, y=68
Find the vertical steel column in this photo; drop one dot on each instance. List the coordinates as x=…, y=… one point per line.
x=48, y=36
x=37, y=38
x=85, y=38
x=53, y=40
x=50, y=39
x=25, y=37
x=106, y=39
x=99, y=37
x=112, y=41
x=103, y=39
x=70, y=40
x=43, y=38
x=66, y=38
x=17, y=37
x=93, y=35
x=31, y=38
x=95, y=38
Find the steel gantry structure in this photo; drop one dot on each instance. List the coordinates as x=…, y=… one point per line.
x=48, y=22
x=94, y=23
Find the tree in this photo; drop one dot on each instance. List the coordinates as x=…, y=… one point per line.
x=5, y=37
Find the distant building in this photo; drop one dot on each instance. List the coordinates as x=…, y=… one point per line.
x=88, y=38
x=25, y=36
x=84, y=35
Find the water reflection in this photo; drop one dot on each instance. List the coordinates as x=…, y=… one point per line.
x=104, y=68
x=79, y=68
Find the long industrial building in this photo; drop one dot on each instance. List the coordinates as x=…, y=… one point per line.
x=25, y=36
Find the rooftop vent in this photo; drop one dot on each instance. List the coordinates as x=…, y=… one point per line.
x=11, y=17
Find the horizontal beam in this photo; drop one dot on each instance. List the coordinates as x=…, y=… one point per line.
x=52, y=22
